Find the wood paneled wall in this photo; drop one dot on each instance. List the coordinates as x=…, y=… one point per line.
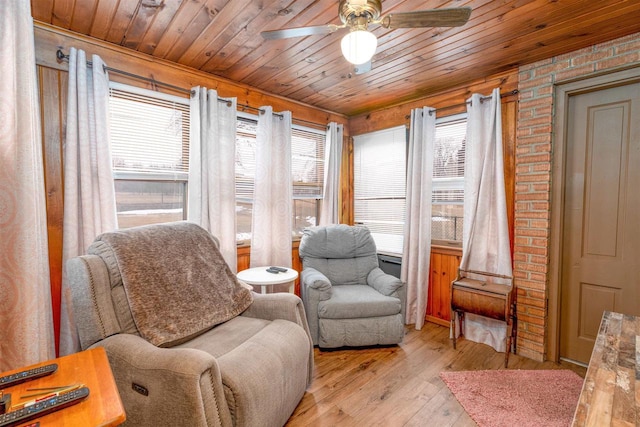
x=52, y=85
x=52, y=76
x=49, y=39
x=444, y=269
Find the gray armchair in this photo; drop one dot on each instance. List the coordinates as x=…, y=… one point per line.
x=348, y=299
x=188, y=344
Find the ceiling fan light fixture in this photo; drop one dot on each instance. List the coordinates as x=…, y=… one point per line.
x=359, y=46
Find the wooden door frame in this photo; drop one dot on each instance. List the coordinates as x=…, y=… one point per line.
x=562, y=92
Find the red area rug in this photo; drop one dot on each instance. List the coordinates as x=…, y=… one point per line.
x=517, y=397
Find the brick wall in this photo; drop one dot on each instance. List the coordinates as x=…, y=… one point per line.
x=534, y=148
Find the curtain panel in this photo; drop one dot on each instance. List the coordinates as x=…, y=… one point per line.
x=330, y=210
x=271, y=226
x=212, y=154
x=27, y=335
x=485, y=239
x=416, y=254
x=89, y=193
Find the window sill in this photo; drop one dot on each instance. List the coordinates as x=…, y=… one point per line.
x=247, y=243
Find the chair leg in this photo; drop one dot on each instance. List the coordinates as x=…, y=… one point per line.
x=508, y=348
x=514, y=327
x=453, y=327
x=508, y=338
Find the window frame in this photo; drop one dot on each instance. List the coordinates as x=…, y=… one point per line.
x=382, y=247
x=448, y=183
x=180, y=177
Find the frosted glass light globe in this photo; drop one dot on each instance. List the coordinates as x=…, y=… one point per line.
x=359, y=46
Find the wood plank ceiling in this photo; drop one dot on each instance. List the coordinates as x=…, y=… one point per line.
x=222, y=37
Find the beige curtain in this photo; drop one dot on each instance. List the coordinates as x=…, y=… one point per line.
x=89, y=194
x=330, y=211
x=485, y=238
x=416, y=252
x=271, y=228
x=212, y=155
x=26, y=335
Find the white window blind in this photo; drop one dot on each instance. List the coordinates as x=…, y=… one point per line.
x=149, y=132
x=307, y=160
x=307, y=170
x=380, y=186
x=149, y=136
x=448, y=178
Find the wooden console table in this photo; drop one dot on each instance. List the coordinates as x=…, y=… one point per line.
x=611, y=392
x=102, y=407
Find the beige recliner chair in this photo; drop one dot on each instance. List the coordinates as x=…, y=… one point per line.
x=189, y=345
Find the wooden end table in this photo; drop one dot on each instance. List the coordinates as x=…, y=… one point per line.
x=102, y=407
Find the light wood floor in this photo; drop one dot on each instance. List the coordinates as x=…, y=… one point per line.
x=399, y=385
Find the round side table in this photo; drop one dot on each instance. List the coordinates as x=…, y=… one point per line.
x=259, y=276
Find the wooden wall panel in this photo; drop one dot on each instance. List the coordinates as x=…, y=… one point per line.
x=509, y=127
x=346, y=182
x=53, y=93
x=450, y=102
x=49, y=39
x=444, y=269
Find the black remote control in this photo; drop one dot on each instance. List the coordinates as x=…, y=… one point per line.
x=29, y=374
x=43, y=407
x=279, y=269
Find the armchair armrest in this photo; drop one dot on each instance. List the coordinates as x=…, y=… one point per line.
x=382, y=282
x=282, y=306
x=313, y=279
x=314, y=287
x=190, y=375
x=389, y=285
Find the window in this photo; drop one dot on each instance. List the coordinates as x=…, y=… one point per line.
x=379, y=184
x=149, y=135
x=448, y=179
x=150, y=150
x=307, y=169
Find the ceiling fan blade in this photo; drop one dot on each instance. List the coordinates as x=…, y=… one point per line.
x=300, y=32
x=453, y=17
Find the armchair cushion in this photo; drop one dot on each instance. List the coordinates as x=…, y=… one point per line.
x=357, y=301
x=155, y=266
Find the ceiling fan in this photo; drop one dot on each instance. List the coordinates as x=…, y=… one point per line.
x=359, y=45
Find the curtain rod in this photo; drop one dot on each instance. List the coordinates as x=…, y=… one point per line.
x=61, y=56
x=450, y=107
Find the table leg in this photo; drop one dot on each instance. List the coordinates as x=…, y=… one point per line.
x=263, y=289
